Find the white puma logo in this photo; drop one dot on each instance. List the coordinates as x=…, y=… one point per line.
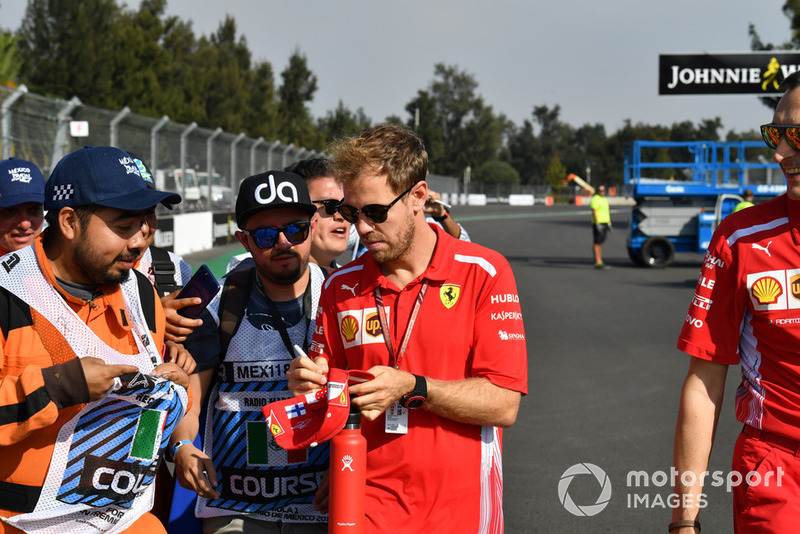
x=351, y=289
x=765, y=249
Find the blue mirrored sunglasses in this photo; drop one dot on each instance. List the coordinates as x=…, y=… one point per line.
x=267, y=236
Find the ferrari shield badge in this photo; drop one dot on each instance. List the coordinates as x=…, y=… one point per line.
x=449, y=294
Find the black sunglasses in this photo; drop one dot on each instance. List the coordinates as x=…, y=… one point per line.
x=376, y=213
x=330, y=205
x=772, y=134
x=267, y=236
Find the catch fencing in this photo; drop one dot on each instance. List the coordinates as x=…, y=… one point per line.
x=214, y=162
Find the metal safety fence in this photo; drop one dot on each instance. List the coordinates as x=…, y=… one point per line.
x=205, y=166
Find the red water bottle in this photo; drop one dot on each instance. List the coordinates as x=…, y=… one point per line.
x=348, y=478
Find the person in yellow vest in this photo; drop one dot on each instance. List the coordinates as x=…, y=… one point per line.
x=601, y=224
x=746, y=203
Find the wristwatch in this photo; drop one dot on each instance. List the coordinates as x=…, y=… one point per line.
x=416, y=399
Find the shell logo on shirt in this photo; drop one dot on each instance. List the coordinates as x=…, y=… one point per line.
x=353, y=334
x=349, y=328
x=767, y=290
x=774, y=290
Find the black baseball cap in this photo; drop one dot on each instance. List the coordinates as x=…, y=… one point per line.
x=272, y=189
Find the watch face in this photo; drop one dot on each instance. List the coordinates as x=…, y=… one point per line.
x=415, y=402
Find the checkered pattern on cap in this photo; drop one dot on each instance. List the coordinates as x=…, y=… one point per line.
x=63, y=192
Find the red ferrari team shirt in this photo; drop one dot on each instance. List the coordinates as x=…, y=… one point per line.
x=441, y=473
x=746, y=310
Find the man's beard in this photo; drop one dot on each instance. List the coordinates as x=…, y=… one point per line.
x=399, y=248
x=89, y=263
x=285, y=276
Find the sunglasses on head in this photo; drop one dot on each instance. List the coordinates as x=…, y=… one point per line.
x=772, y=134
x=330, y=206
x=376, y=213
x=267, y=236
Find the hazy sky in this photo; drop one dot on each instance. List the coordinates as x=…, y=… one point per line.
x=597, y=60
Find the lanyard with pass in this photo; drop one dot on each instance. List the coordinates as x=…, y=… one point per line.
x=396, y=420
x=398, y=357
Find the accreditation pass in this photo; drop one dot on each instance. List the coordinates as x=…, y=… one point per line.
x=396, y=419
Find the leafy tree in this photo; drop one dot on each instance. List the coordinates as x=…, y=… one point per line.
x=428, y=127
x=138, y=59
x=458, y=129
x=9, y=59
x=298, y=88
x=791, y=9
x=225, y=77
x=342, y=122
x=182, y=95
x=261, y=118
x=496, y=172
x=66, y=48
x=555, y=174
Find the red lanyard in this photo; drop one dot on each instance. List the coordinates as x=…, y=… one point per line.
x=398, y=358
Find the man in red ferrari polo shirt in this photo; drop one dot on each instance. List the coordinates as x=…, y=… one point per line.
x=746, y=311
x=437, y=320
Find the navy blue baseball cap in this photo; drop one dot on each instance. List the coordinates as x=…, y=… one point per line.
x=20, y=181
x=104, y=176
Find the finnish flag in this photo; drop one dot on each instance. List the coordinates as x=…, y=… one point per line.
x=295, y=410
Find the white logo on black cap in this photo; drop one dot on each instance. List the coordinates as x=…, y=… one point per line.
x=279, y=191
x=63, y=192
x=21, y=174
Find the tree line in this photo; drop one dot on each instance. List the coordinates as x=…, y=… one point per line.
x=111, y=56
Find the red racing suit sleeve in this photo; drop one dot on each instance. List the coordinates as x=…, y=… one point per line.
x=712, y=324
x=326, y=342
x=499, y=351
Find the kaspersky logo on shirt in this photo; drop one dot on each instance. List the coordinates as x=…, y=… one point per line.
x=774, y=290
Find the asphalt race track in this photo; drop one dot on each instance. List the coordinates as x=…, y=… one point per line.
x=604, y=377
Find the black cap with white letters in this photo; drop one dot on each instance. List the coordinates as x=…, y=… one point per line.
x=272, y=189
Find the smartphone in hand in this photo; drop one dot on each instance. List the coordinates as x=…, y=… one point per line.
x=203, y=285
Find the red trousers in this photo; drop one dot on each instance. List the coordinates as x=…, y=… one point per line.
x=768, y=499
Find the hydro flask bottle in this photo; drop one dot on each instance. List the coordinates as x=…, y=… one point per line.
x=348, y=478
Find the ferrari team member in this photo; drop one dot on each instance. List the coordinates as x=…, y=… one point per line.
x=746, y=311
x=86, y=404
x=21, y=199
x=449, y=395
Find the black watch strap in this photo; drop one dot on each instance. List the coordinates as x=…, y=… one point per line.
x=418, y=396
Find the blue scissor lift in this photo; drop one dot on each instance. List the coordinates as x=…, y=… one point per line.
x=684, y=189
